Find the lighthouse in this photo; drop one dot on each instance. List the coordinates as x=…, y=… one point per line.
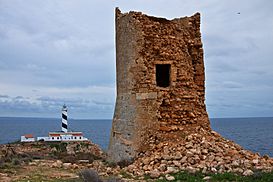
x=64, y=119
x=60, y=136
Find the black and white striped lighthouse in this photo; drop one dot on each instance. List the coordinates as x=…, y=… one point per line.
x=64, y=119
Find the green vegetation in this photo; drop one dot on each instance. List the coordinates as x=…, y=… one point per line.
x=258, y=176
x=14, y=165
x=85, y=144
x=126, y=175
x=8, y=169
x=15, y=142
x=109, y=163
x=39, y=178
x=60, y=147
x=14, y=160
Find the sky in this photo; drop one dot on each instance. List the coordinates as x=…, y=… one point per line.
x=63, y=51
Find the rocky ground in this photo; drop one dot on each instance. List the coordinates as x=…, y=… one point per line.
x=52, y=161
x=203, y=151
x=200, y=152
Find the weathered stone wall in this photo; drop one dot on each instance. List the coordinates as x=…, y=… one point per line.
x=145, y=113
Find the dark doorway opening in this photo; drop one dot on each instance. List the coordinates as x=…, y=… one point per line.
x=163, y=75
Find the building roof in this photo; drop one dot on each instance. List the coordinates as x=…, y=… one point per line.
x=28, y=135
x=77, y=134
x=54, y=134
x=63, y=133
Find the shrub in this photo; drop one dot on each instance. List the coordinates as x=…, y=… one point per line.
x=15, y=161
x=113, y=180
x=124, y=163
x=89, y=175
x=2, y=163
x=60, y=146
x=110, y=164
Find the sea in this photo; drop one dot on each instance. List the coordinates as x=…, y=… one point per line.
x=254, y=134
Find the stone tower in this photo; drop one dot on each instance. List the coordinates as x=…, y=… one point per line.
x=160, y=82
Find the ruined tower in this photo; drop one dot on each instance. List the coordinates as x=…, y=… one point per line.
x=160, y=82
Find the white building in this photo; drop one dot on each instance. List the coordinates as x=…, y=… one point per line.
x=61, y=136
x=27, y=138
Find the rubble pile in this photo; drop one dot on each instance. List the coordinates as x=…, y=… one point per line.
x=205, y=151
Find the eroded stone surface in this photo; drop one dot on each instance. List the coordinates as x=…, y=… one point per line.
x=147, y=112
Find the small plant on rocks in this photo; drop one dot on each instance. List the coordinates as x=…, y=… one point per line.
x=89, y=175
x=125, y=163
x=15, y=161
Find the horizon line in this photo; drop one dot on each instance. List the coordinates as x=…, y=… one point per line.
x=34, y=117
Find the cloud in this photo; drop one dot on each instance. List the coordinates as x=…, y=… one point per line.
x=105, y=103
x=59, y=42
x=83, y=102
x=51, y=106
x=19, y=97
x=17, y=105
x=53, y=52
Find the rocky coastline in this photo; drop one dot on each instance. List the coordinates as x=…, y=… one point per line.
x=202, y=151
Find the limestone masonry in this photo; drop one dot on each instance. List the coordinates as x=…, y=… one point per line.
x=160, y=122
x=160, y=82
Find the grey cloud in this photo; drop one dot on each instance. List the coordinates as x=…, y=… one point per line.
x=60, y=101
x=219, y=46
x=220, y=66
x=18, y=97
x=231, y=84
x=71, y=102
x=17, y=106
x=66, y=44
x=50, y=99
x=51, y=107
x=103, y=103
